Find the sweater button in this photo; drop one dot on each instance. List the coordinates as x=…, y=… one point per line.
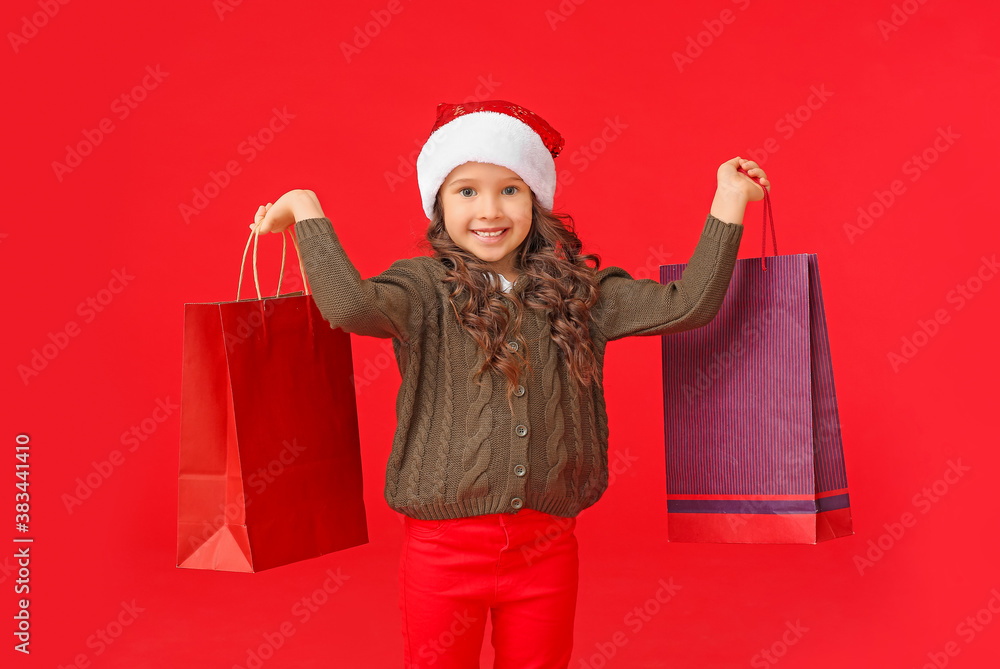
x=521, y=430
x=520, y=390
x=512, y=345
x=516, y=503
x=519, y=470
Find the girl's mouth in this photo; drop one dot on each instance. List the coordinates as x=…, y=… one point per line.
x=490, y=238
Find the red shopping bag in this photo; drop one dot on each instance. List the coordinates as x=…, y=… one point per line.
x=752, y=434
x=270, y=457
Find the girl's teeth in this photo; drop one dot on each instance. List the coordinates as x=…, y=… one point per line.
x=490, y=234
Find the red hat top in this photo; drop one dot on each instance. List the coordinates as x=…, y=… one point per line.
x=550, y=136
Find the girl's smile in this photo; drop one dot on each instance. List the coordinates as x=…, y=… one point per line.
x=490, y=235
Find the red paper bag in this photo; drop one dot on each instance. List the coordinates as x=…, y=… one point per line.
x=270, y=457
x=752, y=434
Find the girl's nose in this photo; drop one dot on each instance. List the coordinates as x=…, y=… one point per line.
x=489, y=208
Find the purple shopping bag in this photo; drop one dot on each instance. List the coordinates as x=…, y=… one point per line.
x=752, y=434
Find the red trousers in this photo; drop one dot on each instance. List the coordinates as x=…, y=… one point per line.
x=523, y=568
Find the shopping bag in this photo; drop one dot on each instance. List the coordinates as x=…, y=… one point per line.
x=270, y=458
x=751, y=428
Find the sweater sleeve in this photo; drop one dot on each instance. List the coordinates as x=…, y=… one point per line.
x=390, y=304
x=641, y=307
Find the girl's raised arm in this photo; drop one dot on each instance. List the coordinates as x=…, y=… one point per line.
x=629, y=307
x=642, y=307
x=390, y=304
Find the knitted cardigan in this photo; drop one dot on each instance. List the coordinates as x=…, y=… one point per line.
x=457, y=449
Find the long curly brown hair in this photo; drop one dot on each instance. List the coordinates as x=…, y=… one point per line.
x=559, y=281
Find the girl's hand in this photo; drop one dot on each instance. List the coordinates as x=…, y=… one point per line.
x=737, y=184
x=295, y=205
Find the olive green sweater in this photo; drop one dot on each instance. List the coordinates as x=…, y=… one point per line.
x=457, y=450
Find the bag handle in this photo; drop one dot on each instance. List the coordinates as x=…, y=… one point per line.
x=768, y=214
x=253, y=236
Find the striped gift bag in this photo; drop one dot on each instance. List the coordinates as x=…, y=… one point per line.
x=753, y=444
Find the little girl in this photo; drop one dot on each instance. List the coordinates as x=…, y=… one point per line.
x=499, y=334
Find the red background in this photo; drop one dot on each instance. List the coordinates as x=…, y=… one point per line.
x=639, y=202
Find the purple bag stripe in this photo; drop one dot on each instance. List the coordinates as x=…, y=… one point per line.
x=741, y=505
x=834, y=502
x=758, y=505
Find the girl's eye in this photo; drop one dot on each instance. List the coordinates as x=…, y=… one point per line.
x=462, y=192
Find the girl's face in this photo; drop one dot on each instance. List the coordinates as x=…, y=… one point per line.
x=487, y=198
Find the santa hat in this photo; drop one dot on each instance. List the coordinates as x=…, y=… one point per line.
x=495, y=132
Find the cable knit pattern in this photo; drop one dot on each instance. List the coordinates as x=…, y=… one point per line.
x=577, y=444
x=444, y=449
x=602, y=426
x=555, y=447
x=476, y=457
x=404, y=409
x=457, y=450
x=599, y=463
x=423, y=418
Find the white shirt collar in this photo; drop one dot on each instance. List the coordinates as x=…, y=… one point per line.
x=504, y=283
